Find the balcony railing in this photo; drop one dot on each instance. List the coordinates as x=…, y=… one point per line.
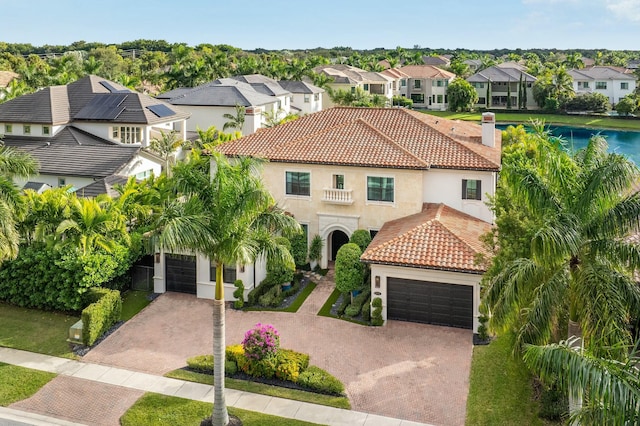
x=337, y=196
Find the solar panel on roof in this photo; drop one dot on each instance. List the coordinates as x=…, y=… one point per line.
x=103, y=106
x=113, y=89
x=161, y=110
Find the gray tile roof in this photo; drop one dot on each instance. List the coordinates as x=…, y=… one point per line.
x=226, y=92
x=263, y=84
x=103, y=186
x=600, y=73
x=500, y=74
x=73, y=152
x=46, y=106
x=295, y=86
x=36, y=186
x=346, y=74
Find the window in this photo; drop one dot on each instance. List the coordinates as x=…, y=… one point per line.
x=46, y=130
x=602, y=85
x=471, y=189
x=338, y=181
x=145, y=174
x=278, y=105
x=417, y=98
x=353, y=90
x=62, y=182
x=624, y=86
x=127, y=134
x=403, y=83
x=417, y=84
x=307, y=99
x=583, y=85
x=380, y=189
x=438, y=83
x=26, y=129
x=305, y=231
x=366, y=87
x=8, y=128
x=316, y=97
x=229, y=273
x=478, y=85
x=298, y=183
x=482, y=100
x=439, y=98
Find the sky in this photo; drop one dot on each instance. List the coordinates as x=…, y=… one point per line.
x=303, y=24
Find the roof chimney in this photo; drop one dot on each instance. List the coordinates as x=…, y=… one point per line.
x=489, y=129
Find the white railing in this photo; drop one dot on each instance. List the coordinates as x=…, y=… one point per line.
x=337, y=196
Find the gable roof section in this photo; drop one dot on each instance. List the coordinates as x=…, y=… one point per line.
x=46, y=106
x=439, y=237
x=6, y=77
x=73, y=152
x=600, y=73
x=263, y=84
x=225, y=92
x=501, y=74
x=426, y=71
x=372, y=137
x=103, y=186
x=298, y=87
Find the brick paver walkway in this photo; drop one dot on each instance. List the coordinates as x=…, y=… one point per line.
x=403, y=370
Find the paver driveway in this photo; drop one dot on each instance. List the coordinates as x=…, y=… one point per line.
x=409, y=371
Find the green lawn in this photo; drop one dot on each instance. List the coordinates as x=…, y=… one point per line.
x=325, y=311
x=253, y=387
x=133, y=302
x=500, y=389
x=35, y=331
x=302, y=296
x=160, y=410
x=558, y=119
x=19, y=383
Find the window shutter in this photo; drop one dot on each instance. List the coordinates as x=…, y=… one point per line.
x=478, y=190
x=464, y=189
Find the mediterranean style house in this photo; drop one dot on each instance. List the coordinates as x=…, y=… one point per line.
x=612, y=82
x=426, y=85
x=495, y=84
x=349, y=78
x=89, y=133
x=417, y=182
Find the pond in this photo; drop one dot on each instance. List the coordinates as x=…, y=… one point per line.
x=620, y=141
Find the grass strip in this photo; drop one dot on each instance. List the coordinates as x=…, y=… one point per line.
x=264, y=389
x=160, y=410
x=133, y=302
x=325, y=311
x=20, y=383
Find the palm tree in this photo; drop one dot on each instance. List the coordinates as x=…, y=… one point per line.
x=579, y=262
x=223, y=211
x=165, y=146
x=235, y=121
x=13, y=164
x=613, y=387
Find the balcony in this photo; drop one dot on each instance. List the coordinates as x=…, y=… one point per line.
x=337, y=196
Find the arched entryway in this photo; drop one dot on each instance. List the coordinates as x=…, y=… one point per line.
x=337, y=240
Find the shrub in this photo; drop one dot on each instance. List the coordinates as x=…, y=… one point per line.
x=362, y=238
x=238, y=294
x=349, y=271
x=376, y=314
x=230, y=368
x=261, y=289
x=352, y=310
x=261, y=342
x=280, y=271
x=402, y=101
x=201, y=363
x=299, y=249
x=356, y=306
x=301, y=359
x=315, y=249
x=343, y=306
x=101, y=315
x=553, y=403
x=319, y=380
x=596, y=102
x=271, y=297
x=366, y=310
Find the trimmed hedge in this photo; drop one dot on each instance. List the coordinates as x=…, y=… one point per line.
x=376, y=314
x=204, y=364
x=320, y=381
x=103, y=312
x=366, y=310
x=238, y=294
x=354, y=309
x=261, y=289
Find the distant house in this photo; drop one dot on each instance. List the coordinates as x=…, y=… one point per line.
x=436, y=61
x=399, y=83
x=5, y=79
x=612, y=82
x=349, y=78
x=88, y=130
x=473, y=64
x=426, y=86
x=498, y=82
x=305, y=97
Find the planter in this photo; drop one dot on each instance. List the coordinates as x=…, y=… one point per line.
x=354, y=293
x=286, y=286
x=313, y=264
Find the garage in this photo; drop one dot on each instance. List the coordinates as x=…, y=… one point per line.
x=180, y=273
x=430, y=302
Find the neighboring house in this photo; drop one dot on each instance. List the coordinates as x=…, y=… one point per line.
x=208, y=103
x=426, y=86
x=5, y=79
x=348, y=78
x=473, y=64
x=418, y=183
x=497, y=81
x=305, y=97
x=269, y=87
x=399, y=83
x=88, y=130
x=436, y=61
x=612, y=82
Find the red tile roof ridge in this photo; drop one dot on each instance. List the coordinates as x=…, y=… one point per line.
x=392, y=142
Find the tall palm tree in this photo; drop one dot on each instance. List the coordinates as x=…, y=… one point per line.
x=613, y=387
x=223, y=211
x=165, y=146
x=235, y=121
x=13, y=164
x=580, y=260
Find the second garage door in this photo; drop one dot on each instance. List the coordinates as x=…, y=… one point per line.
x=430, y=302
x=180, y=273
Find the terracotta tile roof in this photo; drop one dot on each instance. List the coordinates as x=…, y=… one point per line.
x=426, y=71
x=439, y=237
x=372, y=137
x=394, y=73
x=6, y=77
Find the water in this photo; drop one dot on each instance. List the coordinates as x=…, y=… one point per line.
x=620, y=141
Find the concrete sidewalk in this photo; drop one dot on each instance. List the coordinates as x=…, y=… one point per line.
x=172, y=387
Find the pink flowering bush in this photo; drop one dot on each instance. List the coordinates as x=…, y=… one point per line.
x=262, y=341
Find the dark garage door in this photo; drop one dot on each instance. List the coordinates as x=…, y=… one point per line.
x=180, y=273
x=430, y=303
